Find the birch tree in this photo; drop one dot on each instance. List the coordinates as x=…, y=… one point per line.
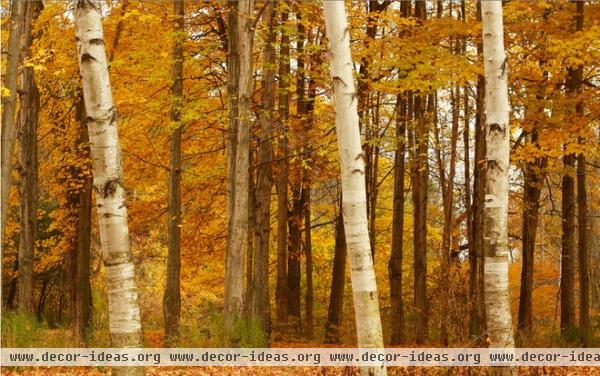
x=352, y=167
x=107, y=166
x=495, y=247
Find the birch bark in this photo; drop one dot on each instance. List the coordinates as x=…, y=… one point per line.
x=352, y=167
x=107, y=166
x=495, y=210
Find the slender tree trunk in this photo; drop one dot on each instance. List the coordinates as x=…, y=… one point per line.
x=39, y=312
x=172, y=296
x=373, y=174
x=533, y=180
x=282, y=292
x=567, y=280
x=237, y=238
x=9, y=104
x=476, y=259
x=370, y=130
x=467, y=166
x=594, y=255
x=296, y=215
x=259, y=302
x=306, y=184
x=395, y=263
x=338, y=279
x=582, y=213
x=466, y=142
x=419, y=178
x=295, y=220
x=495, y=211
x=352, y=167
x=118, y=30
x=233, y=74
x=252, y=165
x=309, y=300
x=448, y=205
x=531, y=207
x=80, y=277
x=28, y=124
x=403, y=112
x=123, y=306
x=584, y=268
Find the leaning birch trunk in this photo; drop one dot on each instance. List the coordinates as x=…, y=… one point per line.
x=352, y=167
x=107, y=166
x=499, y=322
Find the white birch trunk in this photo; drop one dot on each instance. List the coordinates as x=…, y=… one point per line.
x=354, y=196
x=123, y=306
x=499, y=321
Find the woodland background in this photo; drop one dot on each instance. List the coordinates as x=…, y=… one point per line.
x=402, y=51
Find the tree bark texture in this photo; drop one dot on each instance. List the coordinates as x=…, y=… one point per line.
x=107, y=165
x=495, y=210
x=352, y=167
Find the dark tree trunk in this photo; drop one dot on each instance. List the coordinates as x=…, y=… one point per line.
x=531, y=206
x=467, y=167
x=28, y=159
x=306, y=183
x=338, y=279
x=567, y=285
x=259, y=302
x=369, y=129
x=42, y=300
x=477, y=309
x=81, y=297
x=567, y=281
x=9, y=105
x=172, y=298
x=294, y=263
x=584, y=264
x=395, y=263
x=282, y=290
x=582, y=215
x=309, y=302
x=252, y=229
x=419, y=178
